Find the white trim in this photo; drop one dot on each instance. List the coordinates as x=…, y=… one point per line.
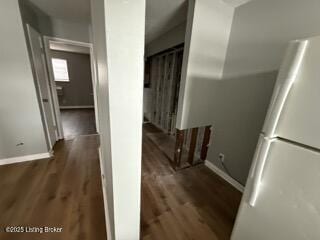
x=25, y=158
x=104, y=191
x=76, y=107
x=53, y=88
x=67, y=41
x=94, y=86
x=224, y=176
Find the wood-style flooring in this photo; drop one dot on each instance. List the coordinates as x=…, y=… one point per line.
x=77, y=122
x=189, y=204
x=64, y=192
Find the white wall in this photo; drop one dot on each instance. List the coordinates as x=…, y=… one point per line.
x=167, y=40
x=20, y=119
x=54, y=27
x=35, y=17
x=118, y=36
x=208, y=29
x=259, y=35
x=262, y=29
x=76, y=31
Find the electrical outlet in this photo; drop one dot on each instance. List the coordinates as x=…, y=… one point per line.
x=221, y=157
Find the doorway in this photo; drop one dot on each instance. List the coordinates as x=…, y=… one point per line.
x=73, y=86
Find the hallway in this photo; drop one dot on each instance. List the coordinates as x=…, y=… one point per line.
x=189, y=204
x=61, y=192
x=78, y=122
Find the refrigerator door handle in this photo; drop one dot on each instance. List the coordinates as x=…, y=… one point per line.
x=255, y=157
x=257, y=171
x=282, y=90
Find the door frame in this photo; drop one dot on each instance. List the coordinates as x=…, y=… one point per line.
x=47, y=41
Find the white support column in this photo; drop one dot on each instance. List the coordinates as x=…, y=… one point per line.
x=118, y=38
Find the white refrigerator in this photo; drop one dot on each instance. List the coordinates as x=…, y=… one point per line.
x=282, y=195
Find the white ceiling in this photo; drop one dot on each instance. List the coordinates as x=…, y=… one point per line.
x=72, y=10
x=236, y=3
x=163, y=15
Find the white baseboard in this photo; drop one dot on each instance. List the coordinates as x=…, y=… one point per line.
x=25, y=158
x=104, y=191
x=76, y=107
x=223, y=175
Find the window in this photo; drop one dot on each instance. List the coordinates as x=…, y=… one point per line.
x=60, y=70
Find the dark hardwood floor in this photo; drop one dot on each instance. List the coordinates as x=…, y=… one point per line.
x=61, y=192
x=66, y=192
x=189, y=204
x=78, y=122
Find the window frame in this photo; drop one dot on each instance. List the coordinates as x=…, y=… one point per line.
x=63, y=68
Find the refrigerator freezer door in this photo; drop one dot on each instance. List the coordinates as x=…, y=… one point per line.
x=299, y=120
x=288, y=73
x=288, y=203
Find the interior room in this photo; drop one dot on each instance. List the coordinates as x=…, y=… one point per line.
x=71, y=67
x=159, y=120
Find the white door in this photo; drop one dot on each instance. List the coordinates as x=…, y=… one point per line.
x=287, y=205
x=295, y=113
x=42, y=83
